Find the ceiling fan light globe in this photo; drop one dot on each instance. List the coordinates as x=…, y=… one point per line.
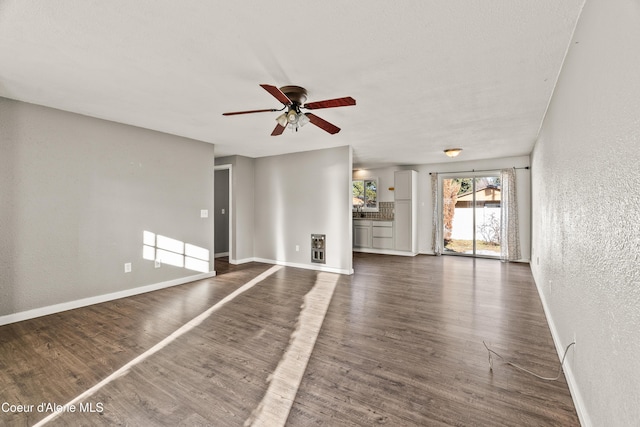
x=282, y=120
x=292, y=117
x=303, y=119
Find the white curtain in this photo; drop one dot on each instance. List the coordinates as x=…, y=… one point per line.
x=510, y=237
x=436, y=232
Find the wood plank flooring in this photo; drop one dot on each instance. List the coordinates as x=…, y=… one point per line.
x=401, y=344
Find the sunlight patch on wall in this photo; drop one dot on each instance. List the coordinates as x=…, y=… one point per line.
x=169, y=244
x=156, y=247
x=171, y=258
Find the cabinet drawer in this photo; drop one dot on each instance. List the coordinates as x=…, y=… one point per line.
x=382, y=223
x=382, y=231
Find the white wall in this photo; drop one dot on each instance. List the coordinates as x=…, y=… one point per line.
x=300, y=194
x=425, y=209
x=586, y=226
x=77, y=194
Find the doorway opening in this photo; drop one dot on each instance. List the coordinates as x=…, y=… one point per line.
x=471, y=216
x=223, y=196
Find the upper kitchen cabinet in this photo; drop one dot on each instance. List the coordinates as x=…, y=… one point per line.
x=403, y=184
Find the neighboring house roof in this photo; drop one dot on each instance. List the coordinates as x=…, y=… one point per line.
x=488, y=193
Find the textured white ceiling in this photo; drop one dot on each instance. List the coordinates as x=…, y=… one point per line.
x=426, y=75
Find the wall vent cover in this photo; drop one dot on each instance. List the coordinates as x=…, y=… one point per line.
x=318, y=248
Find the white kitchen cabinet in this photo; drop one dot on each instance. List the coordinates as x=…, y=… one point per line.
x=406, y=211
x=382, y=234
x=403, y=185
x=362, y=237
x=403, y=240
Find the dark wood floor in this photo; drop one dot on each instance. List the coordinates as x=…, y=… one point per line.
x=401, y=344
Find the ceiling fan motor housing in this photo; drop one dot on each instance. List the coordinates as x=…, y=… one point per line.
x=297, y=94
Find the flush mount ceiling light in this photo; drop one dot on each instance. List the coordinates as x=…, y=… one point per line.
x=452, y=152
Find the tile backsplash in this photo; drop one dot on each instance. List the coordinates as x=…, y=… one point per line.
x=385, y=211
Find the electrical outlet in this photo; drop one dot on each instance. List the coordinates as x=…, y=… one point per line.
x=204, y=213
x=157, y=264
x=297, y=248
x=222, y=211
x=127, y=267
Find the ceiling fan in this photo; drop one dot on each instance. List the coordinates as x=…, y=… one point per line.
x=294, y=98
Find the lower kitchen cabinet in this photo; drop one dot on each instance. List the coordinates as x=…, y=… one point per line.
x=404, y=233
x=362, y=233
x=382, y=234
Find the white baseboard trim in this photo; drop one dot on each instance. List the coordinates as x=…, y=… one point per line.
x=241, y=261
x=523, y=260
x=292, y=264
x=305, y=266
x=384, y=252
x=578, y=401
x=57, y=308
x=221, y=254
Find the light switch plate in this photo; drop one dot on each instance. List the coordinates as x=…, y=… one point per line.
x=204, y=213
x=127, y=267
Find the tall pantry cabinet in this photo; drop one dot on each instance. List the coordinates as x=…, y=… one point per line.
x=406, y=210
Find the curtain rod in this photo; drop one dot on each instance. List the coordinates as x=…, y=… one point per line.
x=478, y=170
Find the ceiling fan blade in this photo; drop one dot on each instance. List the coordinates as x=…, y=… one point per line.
x=323, y=124
x=277, y=93
x=331, y=103
x=278, y=130
x=249, y=112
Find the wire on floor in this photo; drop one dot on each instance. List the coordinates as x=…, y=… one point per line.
x=524, y=369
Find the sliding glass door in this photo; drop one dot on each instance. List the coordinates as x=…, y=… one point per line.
x=471, y=216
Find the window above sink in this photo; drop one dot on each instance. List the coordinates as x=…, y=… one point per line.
x=365, y=195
